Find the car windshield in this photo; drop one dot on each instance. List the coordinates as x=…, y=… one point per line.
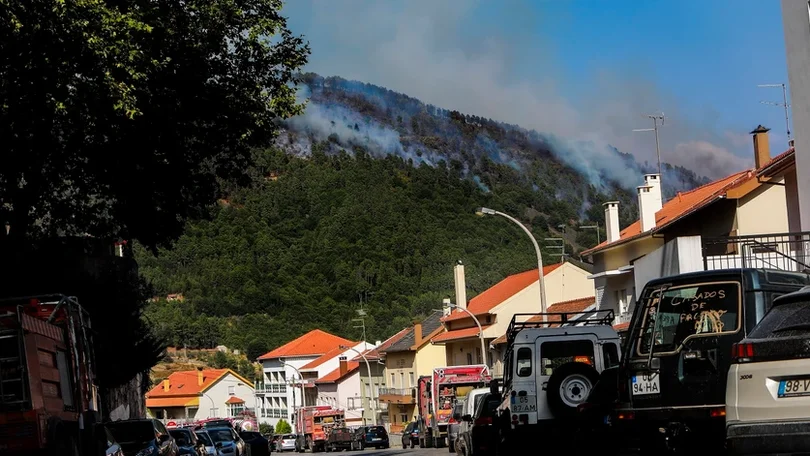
x=784, y=320
x=220, y=435
x=687, y=311
x=288, y=437
x=181, y=436
x=376, y=430
x=205, y=438
x=129, y=432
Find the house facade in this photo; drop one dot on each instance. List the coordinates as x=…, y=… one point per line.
x=340, y=389
x=283, y=387
x=738, y=221
x=188, y=396
x=494, y=308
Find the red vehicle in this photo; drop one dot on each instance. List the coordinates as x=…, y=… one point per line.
x=438, y=395
x=48, y=397
x=309, y=424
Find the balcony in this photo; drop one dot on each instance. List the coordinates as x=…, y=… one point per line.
x=271, y=388
x=786, y=252
x=398, y=395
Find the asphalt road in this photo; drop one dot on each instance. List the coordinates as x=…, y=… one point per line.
x=397, y=450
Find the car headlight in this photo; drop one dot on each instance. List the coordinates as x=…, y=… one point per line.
x=147, y=451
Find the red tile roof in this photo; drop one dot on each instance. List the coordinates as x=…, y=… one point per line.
x=234, y=400
x=500, y=292
x=335, y=377
x=375, y=354
x=315, y=342
x=621, y=326
x=323, y=358
x=680, y=206
x=574, y=305
x=780, y=163
x=457, y=334
x=185, y=388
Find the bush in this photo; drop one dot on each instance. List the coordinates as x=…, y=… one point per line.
x=283, y=427
x=265, y=429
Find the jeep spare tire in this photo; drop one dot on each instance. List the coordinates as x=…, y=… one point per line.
x=568, y=387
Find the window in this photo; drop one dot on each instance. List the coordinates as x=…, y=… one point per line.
x=469, y=358
x=555, y=354
x=231, y=390
x=353, y=403
x=784, y=320
x=404, y=418
x=621, y=300
x=410, y=377
x=393, y=381
x=688, y=311
x=402, y=380
x=610, y=355
x=524, y=362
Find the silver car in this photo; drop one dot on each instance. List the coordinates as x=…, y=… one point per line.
x=286, y=443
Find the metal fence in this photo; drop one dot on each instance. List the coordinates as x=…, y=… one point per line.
x=398, y=391
x=786, y=252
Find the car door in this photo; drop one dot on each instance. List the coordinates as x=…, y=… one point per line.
x=164, y=439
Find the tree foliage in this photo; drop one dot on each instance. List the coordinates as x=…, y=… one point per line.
x=283, y=427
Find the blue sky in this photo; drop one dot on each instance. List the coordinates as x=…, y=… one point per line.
x=584, y=69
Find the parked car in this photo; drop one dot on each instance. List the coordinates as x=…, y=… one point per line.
x=146, y=436
x=106, y=444
x=370, y=436
x=187, y=442
x=259, y=445
x=478, y=433
x=453, y=425
x=210, y=448
x=286, y=442
x=227, y=441
x=410, y=436
x=768, y=384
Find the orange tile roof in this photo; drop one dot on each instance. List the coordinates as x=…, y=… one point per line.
x=621, y=326
x=322, y=359
x=375, y=353
x=574, y=305
x=315, y=342
x=186, y=383
x=234, y=400
x=680, y=206
x=334, y=376
x=500, y=292
x=179, y=401
x=457, y=334
x=779, y=164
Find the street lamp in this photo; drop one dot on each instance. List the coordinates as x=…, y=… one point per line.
x=303, y=400
x=446, y=303
x=370, y=381
x=481, y=211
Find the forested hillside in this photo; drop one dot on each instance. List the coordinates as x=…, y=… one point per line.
x=368, y=199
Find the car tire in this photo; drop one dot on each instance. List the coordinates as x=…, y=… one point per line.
x=569, y=386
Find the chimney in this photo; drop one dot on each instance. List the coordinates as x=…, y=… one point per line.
x=199, y=376
x=166, y=385
x=762, y=149
x=461, y=285
x=612, y=220
x=646, y=207
x=377, y=343
x=344, y=367
x=417, y=333
x=654, y=181
x=445, y=308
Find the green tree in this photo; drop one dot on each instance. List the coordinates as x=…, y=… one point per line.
x=283, y=427
x=266, y=429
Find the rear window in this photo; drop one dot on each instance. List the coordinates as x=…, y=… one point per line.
x=688, y=311
x=288, y=437
x=379, y=430
x=488, y=406
x=181, y=437
x=221, y=435
x=132, y=431
x=555, y=354
x=205, y=439
x=785, y=320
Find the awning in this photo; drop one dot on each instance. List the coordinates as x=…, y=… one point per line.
x=612, y=272
x=458, y=334
x=166, y=402
x=234, y=400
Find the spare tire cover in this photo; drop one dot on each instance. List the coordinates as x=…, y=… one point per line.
x=568, y=387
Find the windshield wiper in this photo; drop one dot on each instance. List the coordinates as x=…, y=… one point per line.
x=792, y=327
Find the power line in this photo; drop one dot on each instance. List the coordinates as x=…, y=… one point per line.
x=783, y=104
x=655, y=118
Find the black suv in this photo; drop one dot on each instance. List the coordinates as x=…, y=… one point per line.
x=370, y=436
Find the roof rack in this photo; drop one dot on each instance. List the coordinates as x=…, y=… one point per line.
x=557, y=319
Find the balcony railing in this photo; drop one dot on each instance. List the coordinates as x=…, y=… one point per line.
x=271, y=388
x=273, y=412
x=786, y=252
x=397, y=391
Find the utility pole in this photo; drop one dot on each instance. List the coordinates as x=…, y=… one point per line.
x=361, y=319
x=560, y=247
x=655, y=118
x=783, y=104
x=592, y=227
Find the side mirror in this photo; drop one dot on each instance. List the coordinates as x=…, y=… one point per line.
x=467, y=418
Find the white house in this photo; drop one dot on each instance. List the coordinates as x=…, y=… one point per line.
x=200, y=394
x=282, y=386
x=341, y=389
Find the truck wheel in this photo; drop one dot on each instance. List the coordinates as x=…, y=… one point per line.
x=568, y=387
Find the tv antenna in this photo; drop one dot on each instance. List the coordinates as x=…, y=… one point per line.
x=783, y=104
x=361, y=314
x=655, y=118
x=558, y=245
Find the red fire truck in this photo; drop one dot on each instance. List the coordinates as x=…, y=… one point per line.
x=309, y=425
x=438, y=394
x=48, y=396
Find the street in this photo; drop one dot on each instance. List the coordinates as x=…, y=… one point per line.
x=398, y=450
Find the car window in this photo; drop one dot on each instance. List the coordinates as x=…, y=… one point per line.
x=555, y=354
x=681, y=312
x=132, y=432
x=523, y=365
x=182, y=438
x=205, y=439
x=488, y=406
x=784, y=320
x=160, y=428
x=221, y=435
x=610, y=353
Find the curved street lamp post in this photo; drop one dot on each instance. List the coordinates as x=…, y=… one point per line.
x=447, y=303
x=370, y=381
x=303, y=401
x=481, y=211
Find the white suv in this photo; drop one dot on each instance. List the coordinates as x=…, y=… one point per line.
x=768, y=385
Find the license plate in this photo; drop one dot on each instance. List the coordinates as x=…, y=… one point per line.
x=792, y=388
x=524, y=404
x=375, y=439
x=646, y=384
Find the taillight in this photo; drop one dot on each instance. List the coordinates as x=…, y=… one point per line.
x=742, y=352
x=482, y=421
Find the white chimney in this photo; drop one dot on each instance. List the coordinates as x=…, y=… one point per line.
x=446, y=309
x=612, y=220
x=461, y=285
x=654, y=181
x=646, y=207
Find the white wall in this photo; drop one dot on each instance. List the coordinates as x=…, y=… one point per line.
x=567, y=282
x=218, y=393
x=763, y=211
x=339, y=394
x=272, y=370
x=334, y=362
